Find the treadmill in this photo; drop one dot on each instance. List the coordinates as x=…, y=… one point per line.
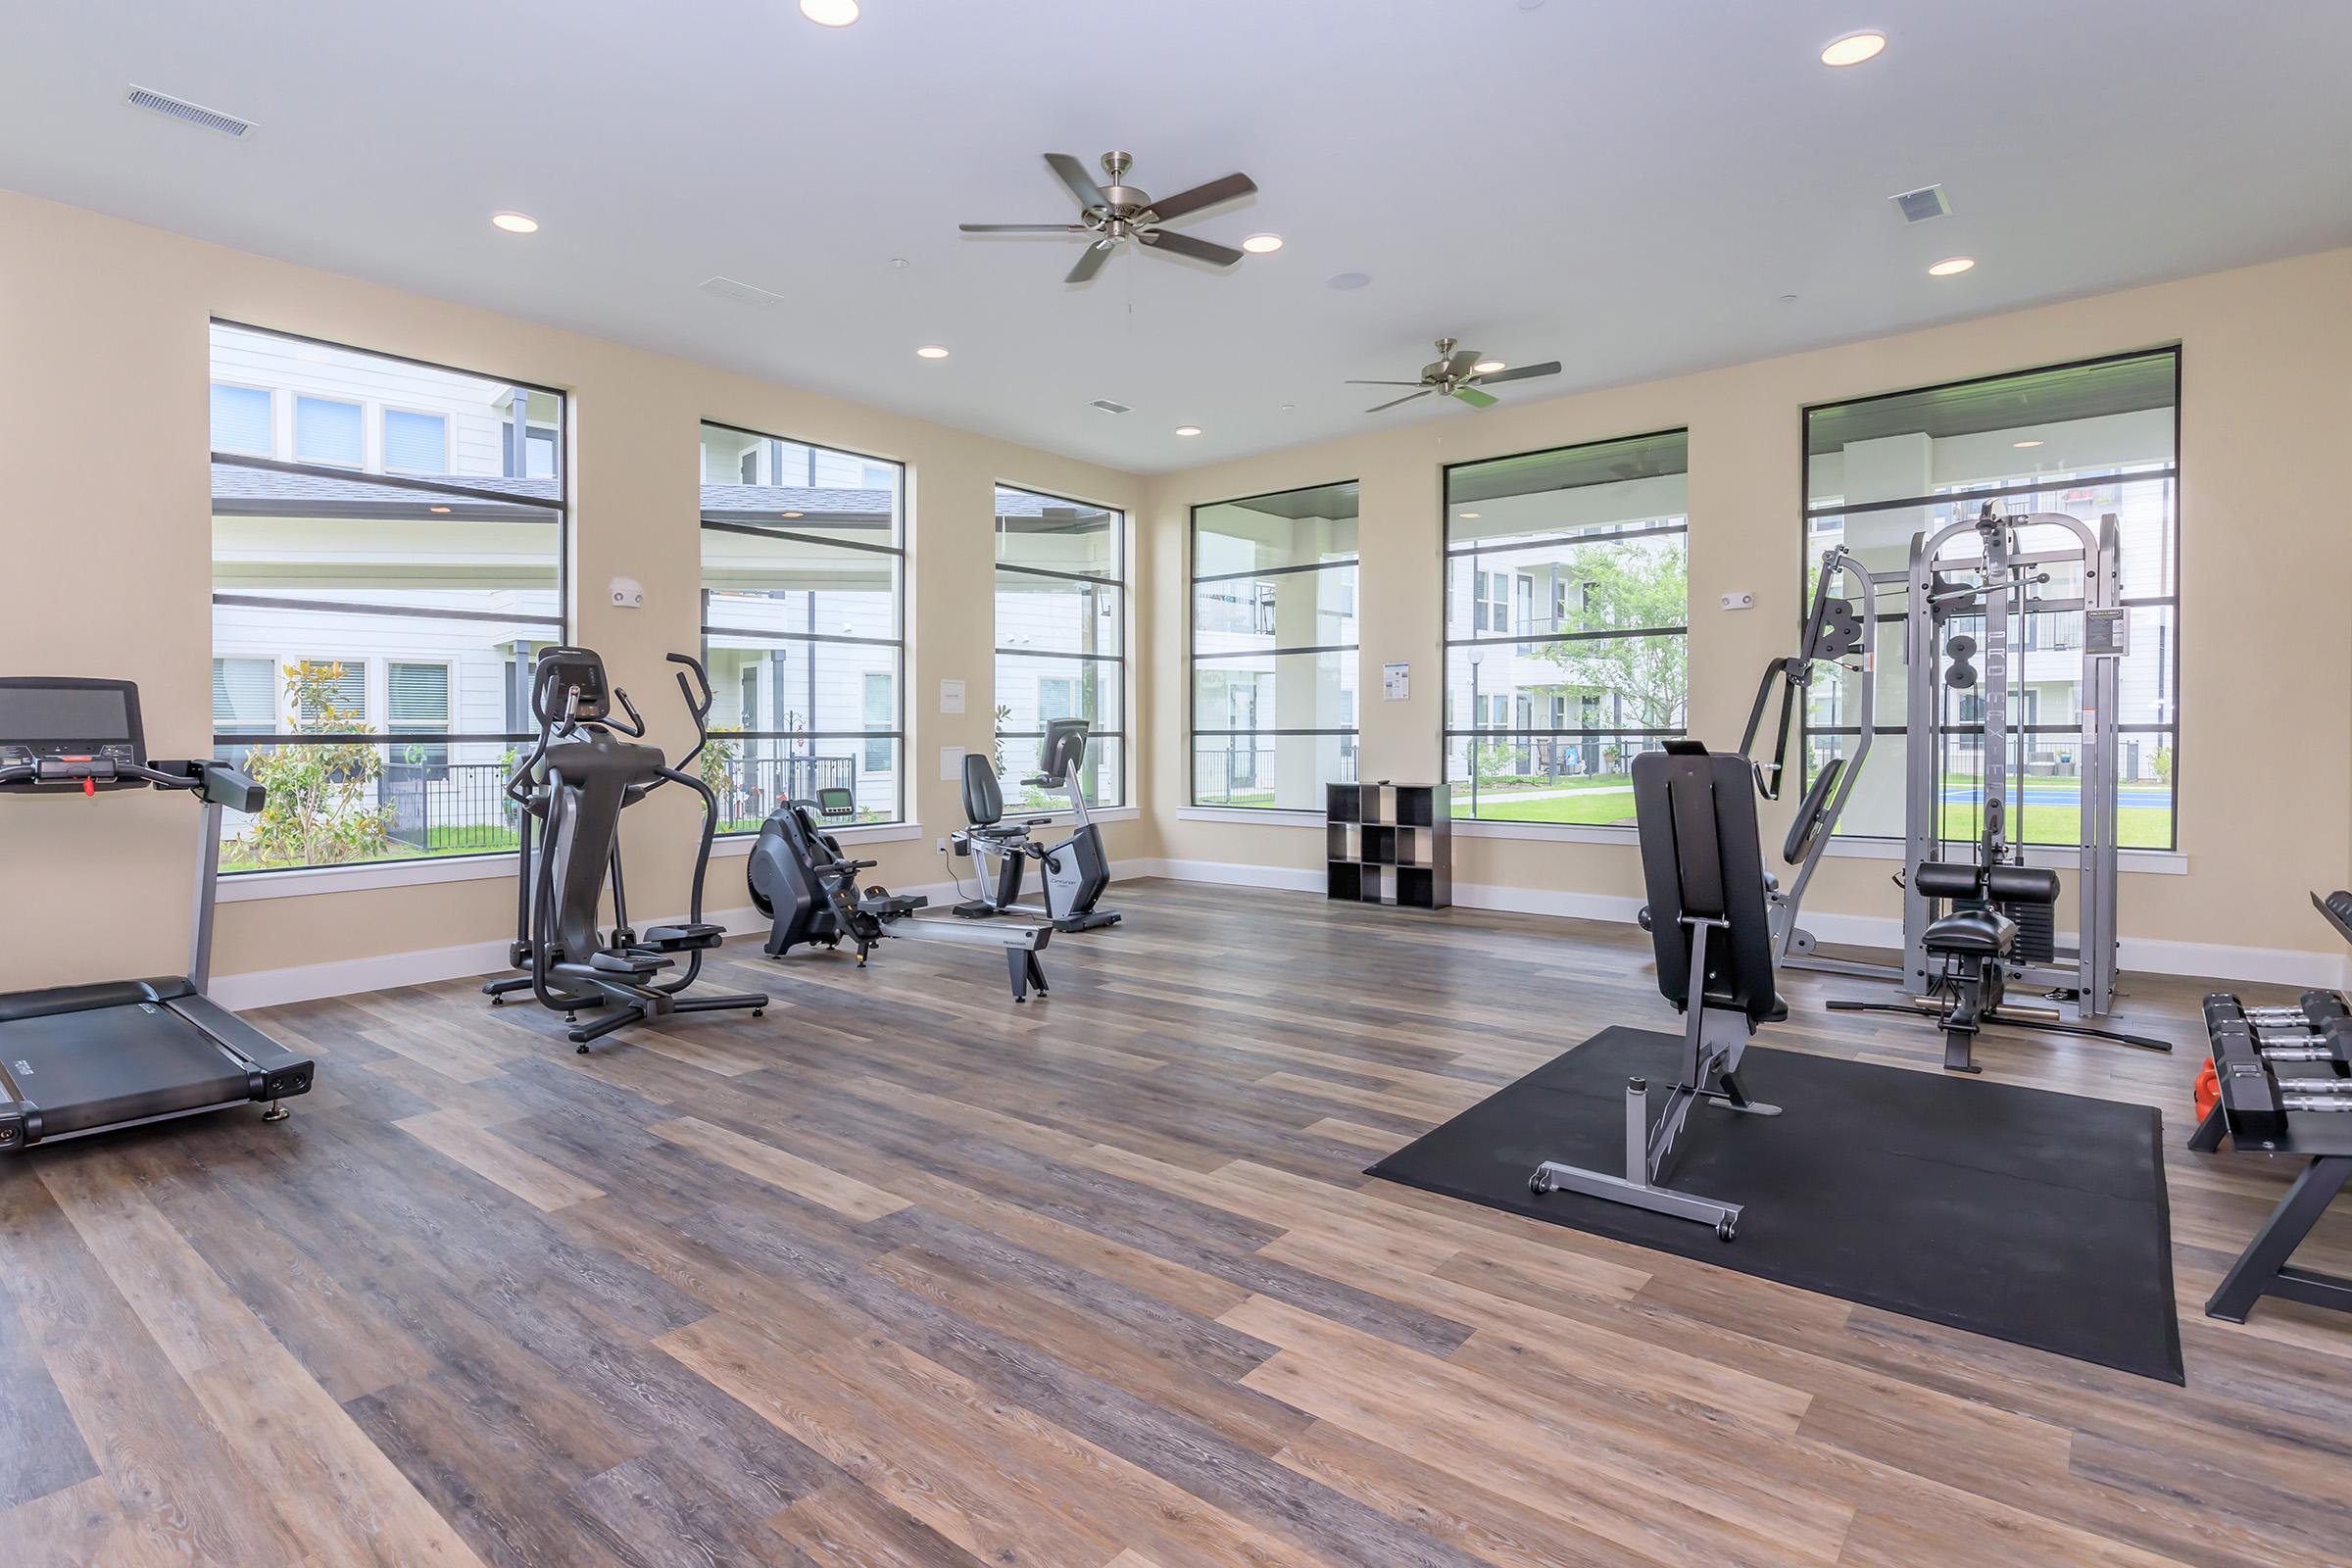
x=79, y=1059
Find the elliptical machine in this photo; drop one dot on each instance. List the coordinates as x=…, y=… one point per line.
x=1074, y=872
x=574, y=786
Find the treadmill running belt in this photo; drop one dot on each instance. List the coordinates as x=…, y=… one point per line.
x=78, y=1067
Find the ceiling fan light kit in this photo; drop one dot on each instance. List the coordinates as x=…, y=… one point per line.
x=1116, y=212
x=1458, y=374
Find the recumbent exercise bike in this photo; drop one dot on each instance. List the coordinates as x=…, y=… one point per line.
x=1074, y=872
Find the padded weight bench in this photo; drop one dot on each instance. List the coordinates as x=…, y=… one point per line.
x=1704, y=872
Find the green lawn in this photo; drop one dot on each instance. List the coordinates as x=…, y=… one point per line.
x=2143, y=812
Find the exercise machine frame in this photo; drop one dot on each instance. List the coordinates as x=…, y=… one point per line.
x=1071, y=873
x=799, y=878
x=1965, y=988
x=1835, y=631
x=559, y=892
x=70, y=1055
x=1703, y=870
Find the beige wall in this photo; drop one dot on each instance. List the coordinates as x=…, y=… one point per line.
x=102, y=373
x=104, y=366
x=2265, y=774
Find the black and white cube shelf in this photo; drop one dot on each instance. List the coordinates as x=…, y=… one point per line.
x=1390, y=844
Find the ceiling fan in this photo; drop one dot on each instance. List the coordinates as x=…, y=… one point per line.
x=1119, y=211
x=1456, y=373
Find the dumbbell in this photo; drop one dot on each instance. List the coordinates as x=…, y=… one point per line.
x=2331, y=1044
x=2313, y=1007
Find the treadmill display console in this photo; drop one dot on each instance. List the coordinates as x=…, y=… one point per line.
x=57, y=716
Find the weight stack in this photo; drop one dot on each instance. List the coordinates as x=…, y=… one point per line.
x=2036, y=931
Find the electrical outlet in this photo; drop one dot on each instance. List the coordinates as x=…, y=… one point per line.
x=1742, y=600
x=940, y=844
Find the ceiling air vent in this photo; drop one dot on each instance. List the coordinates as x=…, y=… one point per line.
x=728, y=288
x=1108, y=407
x=1918, y=206
x=180, y=108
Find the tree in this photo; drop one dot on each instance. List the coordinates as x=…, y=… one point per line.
x=1627, y=586
x=319, y=810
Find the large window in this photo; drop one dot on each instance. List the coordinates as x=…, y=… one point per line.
x=374, y=602
x=1274, y=646
x=1061, y=639
x=2085, y=439
x=1567, y=620
x=804, y=625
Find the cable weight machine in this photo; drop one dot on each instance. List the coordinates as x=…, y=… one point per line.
x=1977, y=917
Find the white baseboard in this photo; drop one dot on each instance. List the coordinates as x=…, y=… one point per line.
x=307, y=982
x=1296, y=879
x=2286, y=966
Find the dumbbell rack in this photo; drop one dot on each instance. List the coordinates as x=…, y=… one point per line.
x=2284, y=1081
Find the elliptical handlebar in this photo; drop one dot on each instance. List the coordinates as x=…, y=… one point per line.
x=698, y=706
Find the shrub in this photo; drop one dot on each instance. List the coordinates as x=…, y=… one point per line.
x=321, y=810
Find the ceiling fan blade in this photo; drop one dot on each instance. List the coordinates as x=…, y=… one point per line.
x=1384, y=383
x=1199, y=250
x=1465, y=360
x=1091, y=260
x=1022, y=228
x=1521, y=372
x=1082, y=184
x=1391, y=403
x=1227, y=189
x=1475, y=398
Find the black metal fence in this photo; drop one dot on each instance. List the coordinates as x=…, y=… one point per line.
x=461, y=808
x=757, y=785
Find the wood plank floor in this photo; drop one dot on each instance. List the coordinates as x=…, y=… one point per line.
x=903, y=1274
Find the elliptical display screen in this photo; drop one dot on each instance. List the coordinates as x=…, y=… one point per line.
x=69, y=718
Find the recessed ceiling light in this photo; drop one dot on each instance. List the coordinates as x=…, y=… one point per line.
x=1346, y=280
x=1850, y=50
x=1952, y=266
x=1263, y=244
x=900, y=261
x=1488, y=368
x=436, y=509
x=1287, y=407
x=1188, y=429
x=787, y=513
x=930, y=351
x=830, y=13
x=1467, y=516
x=515, y=223
x=2021, y=445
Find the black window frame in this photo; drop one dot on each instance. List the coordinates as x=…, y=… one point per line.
x=450, y=486
x=2167, y=670
x=1525, y=737
x=1126, y=592
x=1351, y=735
x=901, y=525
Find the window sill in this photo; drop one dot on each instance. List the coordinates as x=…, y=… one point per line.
x=243, y=886
x=1107, y=814
x=1249, y=814
x=2146, y=863
x=1555, y=832
x=740, y=843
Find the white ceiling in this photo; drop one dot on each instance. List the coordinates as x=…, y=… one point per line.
x=1629, y=186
